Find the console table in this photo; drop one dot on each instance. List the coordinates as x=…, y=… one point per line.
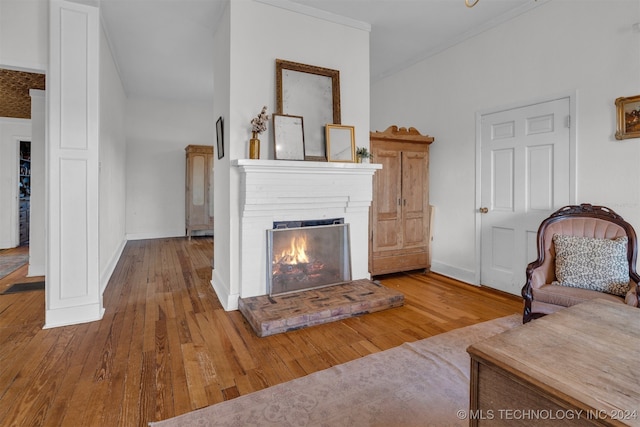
x=578, y=366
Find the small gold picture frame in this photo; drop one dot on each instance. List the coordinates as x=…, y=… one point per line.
x=628, y=117
x=341, y=143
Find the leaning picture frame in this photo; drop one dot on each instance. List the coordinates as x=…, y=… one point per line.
x=220, y=137
x=628, y=117
x=341, y=143
x=288, y=137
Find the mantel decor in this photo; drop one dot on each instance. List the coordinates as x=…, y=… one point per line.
x=288, y=137
x=258, y=125
x=313, y=93
x=341, y=143
x=628, y=117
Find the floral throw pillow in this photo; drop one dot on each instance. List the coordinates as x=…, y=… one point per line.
x=595, y=264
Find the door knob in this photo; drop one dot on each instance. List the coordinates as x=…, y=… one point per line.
x=483, y=210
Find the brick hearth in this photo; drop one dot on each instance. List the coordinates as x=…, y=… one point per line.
x=270, y=315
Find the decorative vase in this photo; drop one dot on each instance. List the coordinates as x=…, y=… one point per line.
x=254, y=147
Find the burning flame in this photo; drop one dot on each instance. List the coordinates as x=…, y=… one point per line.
x=296, y=254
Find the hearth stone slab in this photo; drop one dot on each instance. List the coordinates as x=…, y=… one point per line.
x=269, y=315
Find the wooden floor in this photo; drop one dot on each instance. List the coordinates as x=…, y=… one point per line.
x=165, y=345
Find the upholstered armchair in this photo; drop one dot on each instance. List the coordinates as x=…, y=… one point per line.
x=584, y=252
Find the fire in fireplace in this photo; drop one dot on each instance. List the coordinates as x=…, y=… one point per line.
x=304, y=258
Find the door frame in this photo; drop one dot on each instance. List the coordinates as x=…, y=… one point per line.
x=573, y=181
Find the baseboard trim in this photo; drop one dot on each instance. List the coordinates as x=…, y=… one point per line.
x=111, y=266
x=73, y=315
x=466, y=276
x=229, y=301
x=156, y=235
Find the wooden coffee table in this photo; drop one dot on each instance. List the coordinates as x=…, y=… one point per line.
x=579, y=366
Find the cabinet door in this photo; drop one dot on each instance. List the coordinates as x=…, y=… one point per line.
x=386, y=207
x=415, y=196
x=198, y=189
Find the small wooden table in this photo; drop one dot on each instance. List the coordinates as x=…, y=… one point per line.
x=579, y=366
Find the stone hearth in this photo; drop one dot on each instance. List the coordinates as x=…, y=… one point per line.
x=269, y=315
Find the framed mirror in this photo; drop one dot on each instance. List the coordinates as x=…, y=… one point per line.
x=313, y=93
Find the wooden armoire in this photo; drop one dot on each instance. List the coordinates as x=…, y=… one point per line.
x=199, y=188
x=399, y=217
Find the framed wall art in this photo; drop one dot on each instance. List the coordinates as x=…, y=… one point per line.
x=288, y=137
x=628, y=117
x=313, y=93
x=220, y=137
x=341, y=143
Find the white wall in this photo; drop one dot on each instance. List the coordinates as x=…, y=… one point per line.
x=112, y=163
x=157, y=133
x=559, y=47
x=222, y=275
x=11, y=132
x=24, y=34
x=24, y=27
x=258, y=34
x=37, y=219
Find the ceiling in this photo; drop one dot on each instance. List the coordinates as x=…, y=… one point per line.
x=164, y=48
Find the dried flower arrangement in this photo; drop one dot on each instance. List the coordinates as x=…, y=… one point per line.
x=259, y=123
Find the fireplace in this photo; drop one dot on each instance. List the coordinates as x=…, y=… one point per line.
x=284, y=190
x=307, y=257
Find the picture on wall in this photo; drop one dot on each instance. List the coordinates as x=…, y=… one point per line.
x=220, y=137
x=628, y=117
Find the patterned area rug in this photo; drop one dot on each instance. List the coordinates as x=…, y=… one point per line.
x=10, y=263
x=424, y=383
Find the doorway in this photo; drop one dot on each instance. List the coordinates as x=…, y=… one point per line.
x=24, y=192
x=527, y=171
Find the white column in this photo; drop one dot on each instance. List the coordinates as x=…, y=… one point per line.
x=37, y=239
x=73, y=279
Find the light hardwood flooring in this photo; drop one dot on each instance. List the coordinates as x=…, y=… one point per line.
x=165, y=345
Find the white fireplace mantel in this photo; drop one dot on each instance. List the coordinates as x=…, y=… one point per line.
x=281, y=190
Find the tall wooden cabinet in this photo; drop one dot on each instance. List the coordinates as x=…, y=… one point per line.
x=399, y=216
x=199, y=188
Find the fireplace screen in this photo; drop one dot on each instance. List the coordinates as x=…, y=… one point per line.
x=307, y=257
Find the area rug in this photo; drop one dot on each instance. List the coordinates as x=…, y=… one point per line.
x=10, y=263
x=424, y=383
x=23, y=287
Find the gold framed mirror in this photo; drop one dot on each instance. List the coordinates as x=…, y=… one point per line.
x=313, y=93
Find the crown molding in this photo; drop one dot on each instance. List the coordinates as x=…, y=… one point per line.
x=317, y=13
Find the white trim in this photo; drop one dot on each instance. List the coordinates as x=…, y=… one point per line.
x=466, y=276
x=14, y=120
x=36, y=270
x=573, y=159
x=156, y=234
x=73, y=315
x=228, y=301
x=111, y=266
x=317, y=13
x=26, y=67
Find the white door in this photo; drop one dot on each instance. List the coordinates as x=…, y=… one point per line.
x=525, y=172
